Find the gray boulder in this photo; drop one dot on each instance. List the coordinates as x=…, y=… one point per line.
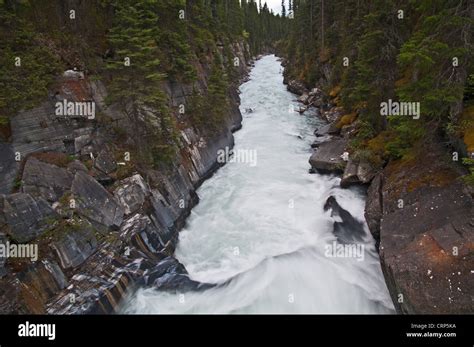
x=170, y=275
x=357, y=172
x=96, y=203
x=81, y=141
x=131, y=193
x=75, y=245
x=302, y=109
x=105, y=162
x=45, y=180
x=26, y=218
x=76, y=166
x=296, y=87
x=327, y=158
x=333, y=115
x=304, y=98
x=327, y=129
x=316, y=97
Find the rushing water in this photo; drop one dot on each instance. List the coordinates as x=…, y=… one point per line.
x=263, y=229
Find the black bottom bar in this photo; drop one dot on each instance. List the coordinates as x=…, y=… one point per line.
x=318, y=330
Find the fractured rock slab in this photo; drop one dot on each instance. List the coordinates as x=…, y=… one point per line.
x=45, y=180
x=96, y=203
x=327, y=158
x=26, y=218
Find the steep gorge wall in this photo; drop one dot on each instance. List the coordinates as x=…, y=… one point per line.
x=102, y=224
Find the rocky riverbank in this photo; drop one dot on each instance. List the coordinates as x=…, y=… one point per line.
x=418, y=210
x=102, y=222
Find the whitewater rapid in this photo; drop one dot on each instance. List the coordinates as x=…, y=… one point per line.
x=260, y=226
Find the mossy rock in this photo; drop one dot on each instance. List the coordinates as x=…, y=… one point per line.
x=347, y=119
x=335, y=91
x=55, y=158
x=468, y=127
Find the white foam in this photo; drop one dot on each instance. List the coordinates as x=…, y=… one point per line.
x=247, y=209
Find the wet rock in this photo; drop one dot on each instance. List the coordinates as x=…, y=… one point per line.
x=316, y=97
x=327, y=129
x=373, y=207
x=105, y=162
x=304, y=98
x=167, y=265
x=349, y=229
x=96, y=203
x=100, y=285
x=45, y=180
x=171, y=275
x=357, y=172
x=333, y=115
x=163, y=216
x=131, y=193
x=302, y=109
x=140, y=232
x=327, y=158
x=26, y=218
x=320, y=140
x=179, y=282
x=101, y=281
x=75, y=245
x=296, y=87
x=316, y=92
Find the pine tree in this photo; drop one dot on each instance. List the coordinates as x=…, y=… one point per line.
x=136, y=82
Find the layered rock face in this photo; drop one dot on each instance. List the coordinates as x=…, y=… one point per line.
x=423, y=215
x=101, y=226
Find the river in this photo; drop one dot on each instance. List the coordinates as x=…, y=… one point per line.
x=260, y=225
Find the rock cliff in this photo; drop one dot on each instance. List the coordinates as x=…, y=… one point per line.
x=102, y=224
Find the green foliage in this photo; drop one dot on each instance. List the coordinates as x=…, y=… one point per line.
x=469, y=178
x=428, y=55
x=208, y=112
x=24, y=86
x=411, y=59
x=162, y=48
x=408, y=132
x=136, y=82
x=469, y=91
